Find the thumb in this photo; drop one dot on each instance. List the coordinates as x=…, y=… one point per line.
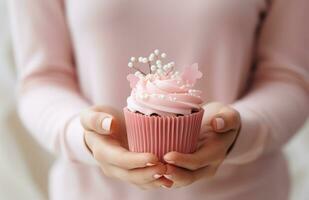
x=98, y=122
x=227, y=119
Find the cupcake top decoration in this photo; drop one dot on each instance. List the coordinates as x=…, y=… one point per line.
x=163, y=90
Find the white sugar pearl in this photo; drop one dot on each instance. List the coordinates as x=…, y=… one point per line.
x=133, y=59
x=130, y=64
x=159, y=66
x=137, y=73
x=158, y=62
x=153, y=68
x=157, y=52
x=140, y=59
x=176, y=73
x=163, y=55
x=165, y=67
x=159, y=71
x=151, y=57
x=145, y=60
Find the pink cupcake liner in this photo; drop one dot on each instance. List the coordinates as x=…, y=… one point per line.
x=162, y=134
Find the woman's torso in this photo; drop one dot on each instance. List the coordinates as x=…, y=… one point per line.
x=220, y=35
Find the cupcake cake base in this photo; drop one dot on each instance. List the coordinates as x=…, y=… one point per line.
x=162, y=134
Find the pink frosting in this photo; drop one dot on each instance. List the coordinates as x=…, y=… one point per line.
x=164, y=95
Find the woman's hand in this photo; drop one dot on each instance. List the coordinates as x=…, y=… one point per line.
x=219, y=131
x=102, y=136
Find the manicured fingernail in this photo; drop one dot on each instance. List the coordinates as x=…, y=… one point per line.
x=156, y=176
x=106, y=123
x=219, y=123
x=168, y=176
x=164, y=186
x=150, y=164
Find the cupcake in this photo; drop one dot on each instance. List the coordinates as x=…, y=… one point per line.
x=163, y=112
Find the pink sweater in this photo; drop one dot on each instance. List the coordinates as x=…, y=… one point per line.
x=72, y=54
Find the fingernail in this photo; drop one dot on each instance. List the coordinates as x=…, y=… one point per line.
x=156, y=176
x=168, y=176
x=150, y=164
x=106, y=123
x=164, y=186
x=219, y=123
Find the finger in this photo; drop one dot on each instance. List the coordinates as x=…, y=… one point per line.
x=147, y=174
x=187, y=161
x=146, y=178
x=180, y=177
x=183, y=177
x=205, y=128
x=98, y=122
x=161, y=182
x=107, y=149
x=227, y=119
x=211, y=151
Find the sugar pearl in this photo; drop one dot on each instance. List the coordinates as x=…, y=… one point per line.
x=140, y=59
x=151, y=57
x=145, y=60
x=157, y=52
x=158, y=62
x=133, y=59
x=153, y=68
x=130, y=64
x=165, y=67
x=163, y=55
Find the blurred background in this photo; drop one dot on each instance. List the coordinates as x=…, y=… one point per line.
x=24, y=164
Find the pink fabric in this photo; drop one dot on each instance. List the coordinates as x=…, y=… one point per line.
x=160, y=135
x=72, y=54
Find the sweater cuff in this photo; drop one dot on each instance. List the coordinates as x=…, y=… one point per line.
x=76, y=147
x=251, y=139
